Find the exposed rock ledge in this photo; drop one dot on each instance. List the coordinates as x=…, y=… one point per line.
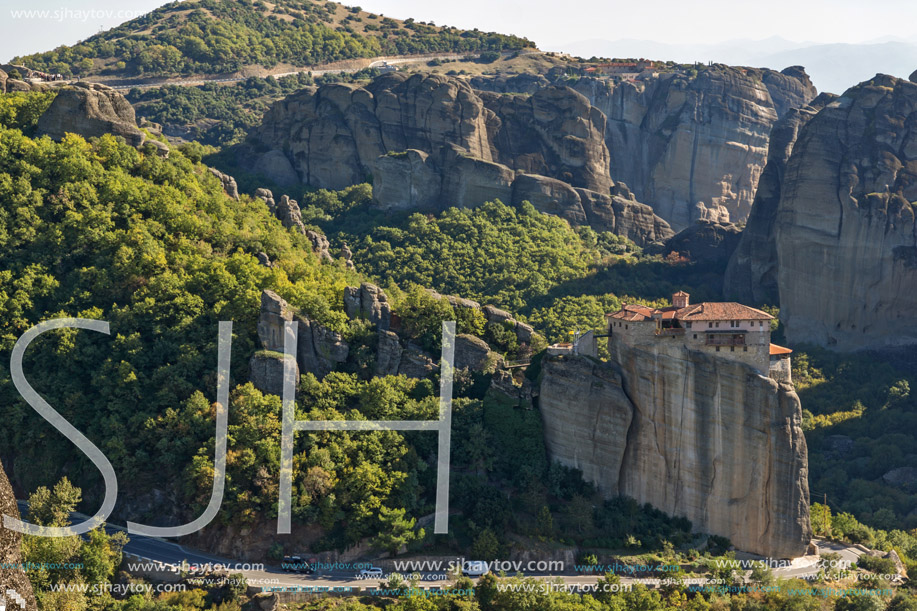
x=694, y=435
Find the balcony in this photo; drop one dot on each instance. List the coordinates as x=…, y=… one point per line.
x=725, y=339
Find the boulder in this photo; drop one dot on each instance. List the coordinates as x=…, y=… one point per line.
x=90, y=110
x=471, y=352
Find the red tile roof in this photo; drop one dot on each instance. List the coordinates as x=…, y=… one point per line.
x=709, y=310
x=714, y=310
x=777, y=350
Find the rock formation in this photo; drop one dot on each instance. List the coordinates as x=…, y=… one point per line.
x=552, y=133
x=288, y=213
x=431, y=141
x=90, y=110
x=370, y=302
x=692, y=434
x=318, y=348
x=9, y=85
x=228, y=182
x=474, y=353
x=706, y=242
x=752, y=273
x=679, y=139
x=15, y=588
x=845, y=229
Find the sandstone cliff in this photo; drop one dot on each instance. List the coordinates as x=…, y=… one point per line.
x=15, y=588
x=751, y=276
x=430, y=142
x=679, y=139
x=693, y=435
x=845, y=228
x=90, y=110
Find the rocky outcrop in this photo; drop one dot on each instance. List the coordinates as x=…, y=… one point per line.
x=679, y=139
x=553, y=132
x=266, y=372
x=17, y=590
x=430, y=142
x=370, y=302
x=694, y=435
x=90, y=110
x=388, y=353
x=474, y=353
x=416, y=362
x=318, y=348
x=287, y=211
x=709, y=243
x=751, y=276
x=228, y=182
x=845, y=229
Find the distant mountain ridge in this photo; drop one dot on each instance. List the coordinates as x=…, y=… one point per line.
x=224, y=36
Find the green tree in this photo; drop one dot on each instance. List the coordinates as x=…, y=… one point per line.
x=395, y=531
x=486, y=545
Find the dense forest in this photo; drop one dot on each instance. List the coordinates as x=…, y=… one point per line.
x=222, y=36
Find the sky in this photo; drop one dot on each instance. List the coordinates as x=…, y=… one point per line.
x=28, y=26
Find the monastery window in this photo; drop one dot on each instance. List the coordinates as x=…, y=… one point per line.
x=744, y=348
x=709, y=325
x=687, y=325
x=695, y=336
x=717, y=348
x=717, y=324
x=732, y=348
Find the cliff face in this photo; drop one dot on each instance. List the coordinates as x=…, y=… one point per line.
x=696, y=436
x=90, y=110
x=333, y=135
x=677, y=140
x=751, y=276
x=430, y=142
x=845, y=229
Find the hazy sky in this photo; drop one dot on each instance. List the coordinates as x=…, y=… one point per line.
x=672, y=21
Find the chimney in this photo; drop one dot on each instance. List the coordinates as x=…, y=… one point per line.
x=680, y=299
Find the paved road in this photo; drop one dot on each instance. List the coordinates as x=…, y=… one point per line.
x=172, y=555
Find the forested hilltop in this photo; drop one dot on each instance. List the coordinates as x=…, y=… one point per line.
x=222, y=36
